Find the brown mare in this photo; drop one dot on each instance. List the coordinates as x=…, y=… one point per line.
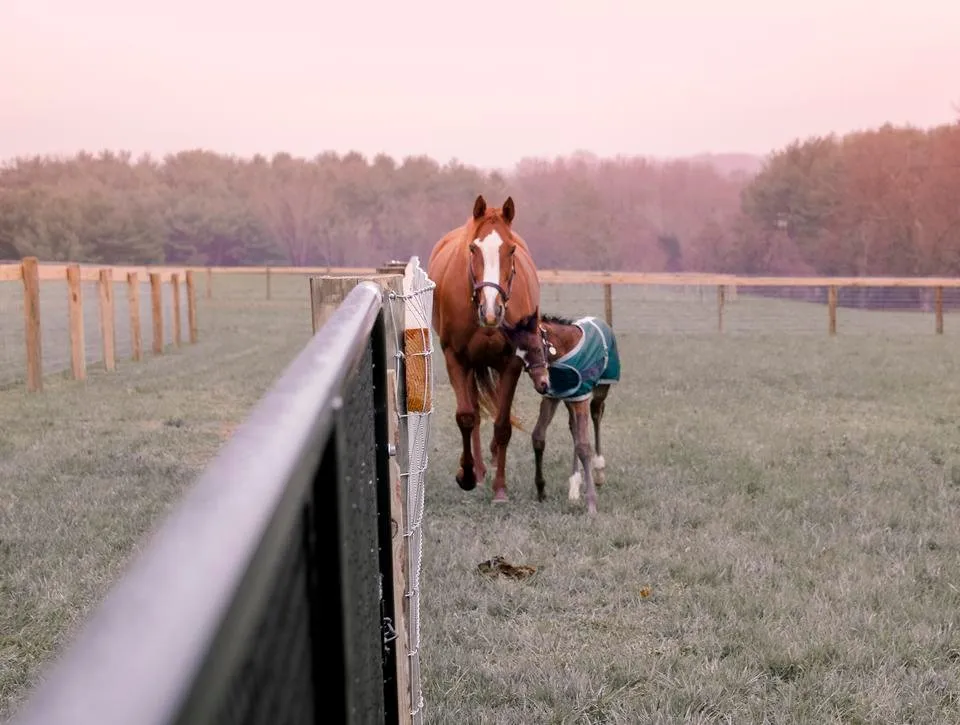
x=485, y=276
x=574, y=362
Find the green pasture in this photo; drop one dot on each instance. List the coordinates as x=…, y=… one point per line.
x=777, y=541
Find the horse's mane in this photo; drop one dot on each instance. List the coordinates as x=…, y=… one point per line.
x=556, y=319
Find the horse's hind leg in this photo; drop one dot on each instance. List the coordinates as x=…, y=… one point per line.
x=479, y=467
x=597, y=405
x=548, y=407
x=502, y=426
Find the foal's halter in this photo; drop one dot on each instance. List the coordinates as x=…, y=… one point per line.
x=547, y=348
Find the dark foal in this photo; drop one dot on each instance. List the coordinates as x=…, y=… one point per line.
x=573, y=362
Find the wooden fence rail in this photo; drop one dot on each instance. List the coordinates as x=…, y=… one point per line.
x=728, y=287
x=77, y=327
x=937, y=293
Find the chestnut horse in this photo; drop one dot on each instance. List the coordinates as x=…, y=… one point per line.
x=484, y=276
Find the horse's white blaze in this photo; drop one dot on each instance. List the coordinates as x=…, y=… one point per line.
x=490, y=249
x=522, y=354
x=575, y=480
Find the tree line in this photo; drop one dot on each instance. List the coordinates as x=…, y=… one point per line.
x=878, y=202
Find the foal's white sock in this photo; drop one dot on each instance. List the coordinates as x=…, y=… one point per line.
x=575, y=480
x=599, y=463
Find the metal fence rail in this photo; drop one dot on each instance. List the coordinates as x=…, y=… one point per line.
x=263, y=581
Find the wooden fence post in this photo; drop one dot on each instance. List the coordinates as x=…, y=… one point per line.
x=191, y=306
x=107, y=326
x=938, y=305
x=133, y=305
x=720, y=302
x=209, y=283
x=608, y=303
x=268, y=284
x=156, y=308
x=175, y=291
x=832, y=309
x=31, y=323
x=78, y=353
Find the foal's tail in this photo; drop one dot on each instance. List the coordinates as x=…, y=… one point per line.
x=487, y=386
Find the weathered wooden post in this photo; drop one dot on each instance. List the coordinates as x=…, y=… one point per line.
x=938, y=306
x=720, y=302
x=30, y=268
x=156, y=309
x=107, y=319
x=608, y=303
x=832, y=309
x=78, y=353
x=133, y=308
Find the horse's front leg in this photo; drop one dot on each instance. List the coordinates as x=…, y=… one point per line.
x=583, y=451
x=597, y=405
x=502, y=427
x=548, y=407
x=464, y=386
x=479, y=467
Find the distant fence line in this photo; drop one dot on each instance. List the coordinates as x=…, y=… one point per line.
x=903, y=294
x=73, y=334
x=60, y=317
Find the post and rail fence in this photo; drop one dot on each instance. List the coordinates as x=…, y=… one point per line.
x=49, y=324
x=65, y=317
x=285, y=585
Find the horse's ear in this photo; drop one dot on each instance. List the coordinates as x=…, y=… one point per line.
x=509, y=210
x=479, y=207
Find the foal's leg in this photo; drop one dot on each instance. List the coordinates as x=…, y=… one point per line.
x=584, y=450
x=575, y=480
x=596, y=413
x=548, y=407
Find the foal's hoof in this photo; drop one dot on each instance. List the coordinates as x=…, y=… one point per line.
x=500, y=496
x=599, y=464
x=465, y=481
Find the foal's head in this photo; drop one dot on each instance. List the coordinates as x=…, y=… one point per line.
x=527, y=337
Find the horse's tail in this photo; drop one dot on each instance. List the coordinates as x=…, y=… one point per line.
x=487, y=387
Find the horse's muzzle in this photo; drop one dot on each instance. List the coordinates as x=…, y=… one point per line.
x=490, y=320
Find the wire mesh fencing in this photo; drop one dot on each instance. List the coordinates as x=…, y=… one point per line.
x=414, y=307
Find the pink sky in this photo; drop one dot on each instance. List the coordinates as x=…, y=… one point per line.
x=485, y=82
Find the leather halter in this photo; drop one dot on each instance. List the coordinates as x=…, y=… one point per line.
x=477, y=286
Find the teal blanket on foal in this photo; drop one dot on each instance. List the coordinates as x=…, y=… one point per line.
x=593, y=361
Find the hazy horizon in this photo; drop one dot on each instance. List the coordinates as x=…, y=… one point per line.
x=486, y=84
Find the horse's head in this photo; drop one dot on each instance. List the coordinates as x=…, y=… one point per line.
x=492, y=265
x=528, y=337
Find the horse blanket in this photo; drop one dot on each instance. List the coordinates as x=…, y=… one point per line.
x=593, y=361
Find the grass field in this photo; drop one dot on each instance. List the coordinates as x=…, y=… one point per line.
x=776, y=542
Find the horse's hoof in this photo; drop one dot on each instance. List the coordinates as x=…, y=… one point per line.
x=480, y=473
x=500, y=496
x=467, y=483
x=541, y=496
